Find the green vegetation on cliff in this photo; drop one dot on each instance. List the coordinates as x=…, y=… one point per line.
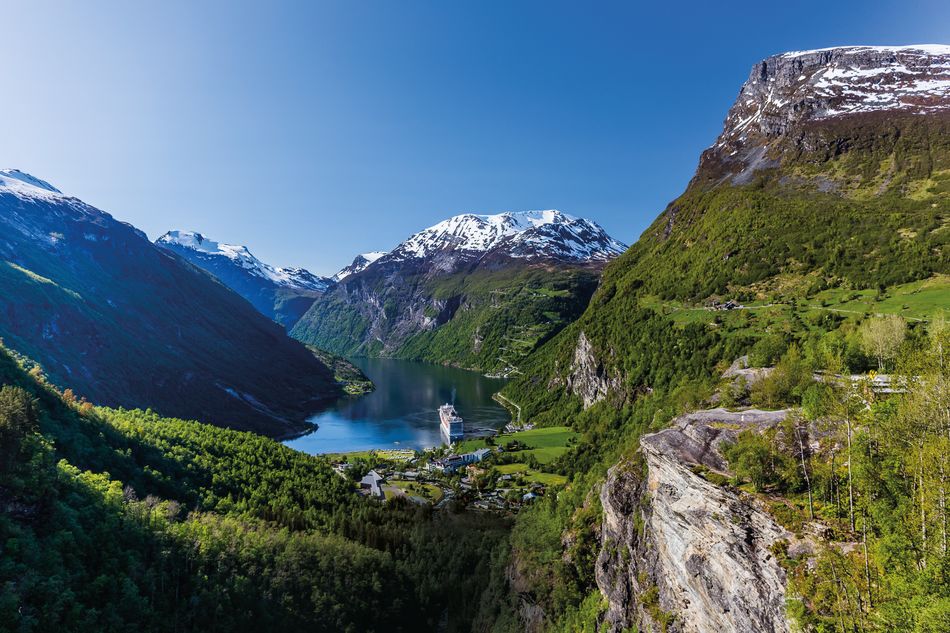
x=812, y=247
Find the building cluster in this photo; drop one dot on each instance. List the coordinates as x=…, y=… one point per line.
x=728, y=305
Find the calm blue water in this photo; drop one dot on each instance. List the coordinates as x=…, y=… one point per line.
x=403, y=411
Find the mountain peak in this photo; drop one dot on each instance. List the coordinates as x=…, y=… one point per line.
x=359, y=263
x=198, y=242
x=927, y=49
x=22, y=183
x=549, y=234
x=787, y=92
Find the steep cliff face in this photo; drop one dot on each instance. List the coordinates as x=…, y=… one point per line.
x=589, y=378
x=682, y=554
x=375, y=314
x=790, y=101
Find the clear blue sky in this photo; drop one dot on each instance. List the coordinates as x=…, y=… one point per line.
x=315, y=130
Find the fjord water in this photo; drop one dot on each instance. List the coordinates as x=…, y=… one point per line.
x=403, y=410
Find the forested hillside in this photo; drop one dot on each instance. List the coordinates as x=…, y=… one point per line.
x=483, y=320
x=117, y=520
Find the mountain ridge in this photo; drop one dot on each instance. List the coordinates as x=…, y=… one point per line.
x=792, y=102
x=290, y=277
x=359, y=263
x=549, y=234
x=125, y=323
x=283, y=294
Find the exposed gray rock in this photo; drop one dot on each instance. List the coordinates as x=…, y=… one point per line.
x=589, y=378
x=678, y=550
x=741, y=374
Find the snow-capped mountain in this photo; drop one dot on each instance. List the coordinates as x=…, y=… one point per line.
x=794, y=102
x=528, y=235
x=788, y=90
x=453, y=293
x=240, y=256
x=283, y=294
x=122, y=322
x=359, y=263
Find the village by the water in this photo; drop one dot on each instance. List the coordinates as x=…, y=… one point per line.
x=475, y=469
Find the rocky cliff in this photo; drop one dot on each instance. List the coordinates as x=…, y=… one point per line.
x=791, y=101
x=682, y=554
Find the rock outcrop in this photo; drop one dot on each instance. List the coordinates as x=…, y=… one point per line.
x=680, y=553
x=589, y=378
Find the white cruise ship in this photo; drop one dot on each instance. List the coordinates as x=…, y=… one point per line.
x=452, y=426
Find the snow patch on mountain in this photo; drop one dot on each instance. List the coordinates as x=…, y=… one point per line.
x=929, y=49
x=296, y=278
x=524, y=234
x=359, y=263
x=24, y=185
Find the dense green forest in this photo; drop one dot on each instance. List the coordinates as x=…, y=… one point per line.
x=884, y=562
x=873, y=475
x=117, y=520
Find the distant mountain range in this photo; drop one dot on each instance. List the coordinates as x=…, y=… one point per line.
x=125, y=323
x=479, y=291
x=536, y=236
x=445, y=294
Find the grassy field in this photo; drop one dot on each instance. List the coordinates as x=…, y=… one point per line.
x=923, y=299
x=429, y=492
x=530, y=475
x=393, y=455
x=546, y=444
x=346, y=457
x=917, y=300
